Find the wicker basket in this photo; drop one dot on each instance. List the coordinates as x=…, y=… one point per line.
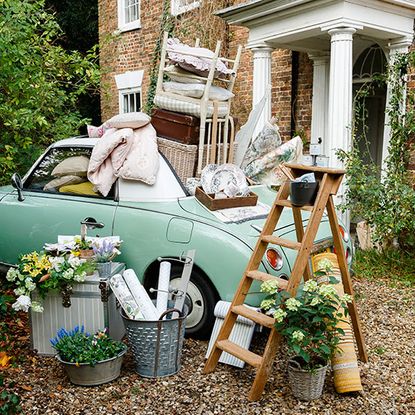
x=306, y=385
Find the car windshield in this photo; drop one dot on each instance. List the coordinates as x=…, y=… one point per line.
x=63, y=170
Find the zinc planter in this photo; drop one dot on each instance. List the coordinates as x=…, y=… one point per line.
x=306, y=385
x=86, y=375
x=104, y=269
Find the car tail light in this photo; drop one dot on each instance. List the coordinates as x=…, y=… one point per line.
x=344, y=234
x=274, y=258
x=348, y=255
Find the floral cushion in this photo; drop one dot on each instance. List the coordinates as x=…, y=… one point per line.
x=131, y=120
x=72, y=166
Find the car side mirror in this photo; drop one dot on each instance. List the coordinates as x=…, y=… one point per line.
x=18, y=184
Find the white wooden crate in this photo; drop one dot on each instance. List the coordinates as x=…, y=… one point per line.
x=87, y=309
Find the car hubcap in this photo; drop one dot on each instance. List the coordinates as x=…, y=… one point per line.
x=195, y=302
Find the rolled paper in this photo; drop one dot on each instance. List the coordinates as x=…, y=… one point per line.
x=344, y=363
x=163, y=287
x=140, y=295
x=125, y=298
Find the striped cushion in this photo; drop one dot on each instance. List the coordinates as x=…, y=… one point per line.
x=184, y=107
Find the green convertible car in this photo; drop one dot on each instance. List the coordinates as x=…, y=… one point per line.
x=162, y=220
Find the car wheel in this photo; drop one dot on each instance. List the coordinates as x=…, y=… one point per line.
x=201, y=299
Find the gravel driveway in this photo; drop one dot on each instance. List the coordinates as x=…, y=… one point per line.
x=388, y=379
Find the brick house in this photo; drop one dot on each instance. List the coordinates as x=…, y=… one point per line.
x=293, y=63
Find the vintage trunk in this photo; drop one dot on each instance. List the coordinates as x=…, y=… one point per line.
x=92, y=305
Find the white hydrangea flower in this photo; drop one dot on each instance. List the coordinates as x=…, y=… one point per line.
x=12, y=274
x=29, y=284
x=267, y=303
x=19, y=291
x=327, y=291
x=79, y=277
x=22, y=303
x=74, y=261
x=310, y=286
x=270, y=287
x=315, y=301
x=292, y=304
x=347, y=298
x=324, y=264
x=279, y=315
x=56, y=262
x=37, y=307
x=68, y=274
x=298, y=335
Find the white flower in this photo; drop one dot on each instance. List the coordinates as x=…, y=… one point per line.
x=74, y=261
x=79, y=277
x=292, y=304
x=270, y=287
x=37, y=307
x=347, y=298
x=267, y=303
x=310, y=286
x=22, y=303
x=29, y=284
x=315, y=301
x=19, y=291
x=327, y=291
x=279, y=315
x=12, y=274
x=56, y=262
x=68, y=274
x=298, y=335
x=324, y=264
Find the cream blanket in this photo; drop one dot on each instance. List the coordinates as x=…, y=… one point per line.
x=126, y=153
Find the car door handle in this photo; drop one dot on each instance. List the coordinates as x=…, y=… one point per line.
x=92, y=223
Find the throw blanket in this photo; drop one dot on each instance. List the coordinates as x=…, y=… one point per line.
x=126, y=153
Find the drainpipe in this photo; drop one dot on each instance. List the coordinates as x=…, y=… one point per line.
x=295, y=64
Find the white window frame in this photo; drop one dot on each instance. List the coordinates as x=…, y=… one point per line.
x=124, y=26
x=129, y=83
x=177, y=8
x=128, y=91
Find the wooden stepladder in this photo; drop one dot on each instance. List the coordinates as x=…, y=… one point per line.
x=329, y=180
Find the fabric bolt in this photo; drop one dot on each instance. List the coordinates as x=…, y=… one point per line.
x=129, y=120
x=72, y=166
x=177, y=74
x=216, y=93
x=57, y=183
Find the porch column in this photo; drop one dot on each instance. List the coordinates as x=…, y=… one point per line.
x=261, y=82
x=320, y=99
x=340, y=92
x=395, y=48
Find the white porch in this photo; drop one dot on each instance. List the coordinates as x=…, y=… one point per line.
x=334, y=33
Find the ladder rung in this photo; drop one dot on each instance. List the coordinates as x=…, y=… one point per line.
x=239, y=352
x=287, y=203
x=263, y=276
x=286, y=243
x=253, y=315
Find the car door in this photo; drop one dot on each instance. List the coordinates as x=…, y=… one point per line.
x=48, y=211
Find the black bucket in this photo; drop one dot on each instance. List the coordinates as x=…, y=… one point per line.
x=303, y=193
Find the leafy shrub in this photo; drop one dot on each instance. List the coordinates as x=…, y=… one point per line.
x=9, y=401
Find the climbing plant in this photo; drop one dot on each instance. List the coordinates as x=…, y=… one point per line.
x=385, y=199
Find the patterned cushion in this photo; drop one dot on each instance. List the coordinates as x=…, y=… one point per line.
x=184, y=107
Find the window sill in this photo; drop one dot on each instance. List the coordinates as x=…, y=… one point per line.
x=176, y=11
x=128, y=27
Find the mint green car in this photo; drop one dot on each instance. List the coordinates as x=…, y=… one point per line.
x=153, y=221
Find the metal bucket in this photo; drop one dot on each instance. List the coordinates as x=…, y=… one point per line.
x=157, y=345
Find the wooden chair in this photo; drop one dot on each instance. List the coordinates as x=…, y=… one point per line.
x=214, y=130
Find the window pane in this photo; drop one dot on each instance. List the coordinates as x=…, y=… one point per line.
x=125, y=103
x=132, y=100
x=137, y=101
x=131, y=10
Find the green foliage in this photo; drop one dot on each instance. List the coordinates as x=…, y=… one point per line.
x=309, y=320
x=385, y=200
x=76, y=346
x=396, y=266
x=9, y=401
x=40, y=84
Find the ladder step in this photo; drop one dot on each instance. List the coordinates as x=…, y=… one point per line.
x=287, y=203
x=239, y=352
x=253, y=315
x=286, y=243
x=263, y=276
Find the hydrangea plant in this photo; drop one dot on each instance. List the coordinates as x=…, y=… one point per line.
x=77, y=346
x=309, y=321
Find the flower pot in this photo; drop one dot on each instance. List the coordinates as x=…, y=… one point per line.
x=86, y=254
x=86, y=375
x=303, y=193
x=104, y=269
x=305, y=385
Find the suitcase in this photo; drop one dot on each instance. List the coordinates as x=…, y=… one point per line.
x=178, y=127
x=93, y=305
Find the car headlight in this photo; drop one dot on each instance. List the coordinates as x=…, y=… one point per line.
x=345, y=235
x=274, y=259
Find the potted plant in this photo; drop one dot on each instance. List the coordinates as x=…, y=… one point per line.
x=88, y=359
x=104, y=252
x=44, y=271
x=308, y=322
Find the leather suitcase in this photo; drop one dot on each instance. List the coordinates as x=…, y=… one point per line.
x=175, y=126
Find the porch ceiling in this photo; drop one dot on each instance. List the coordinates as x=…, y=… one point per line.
x=303, y=24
